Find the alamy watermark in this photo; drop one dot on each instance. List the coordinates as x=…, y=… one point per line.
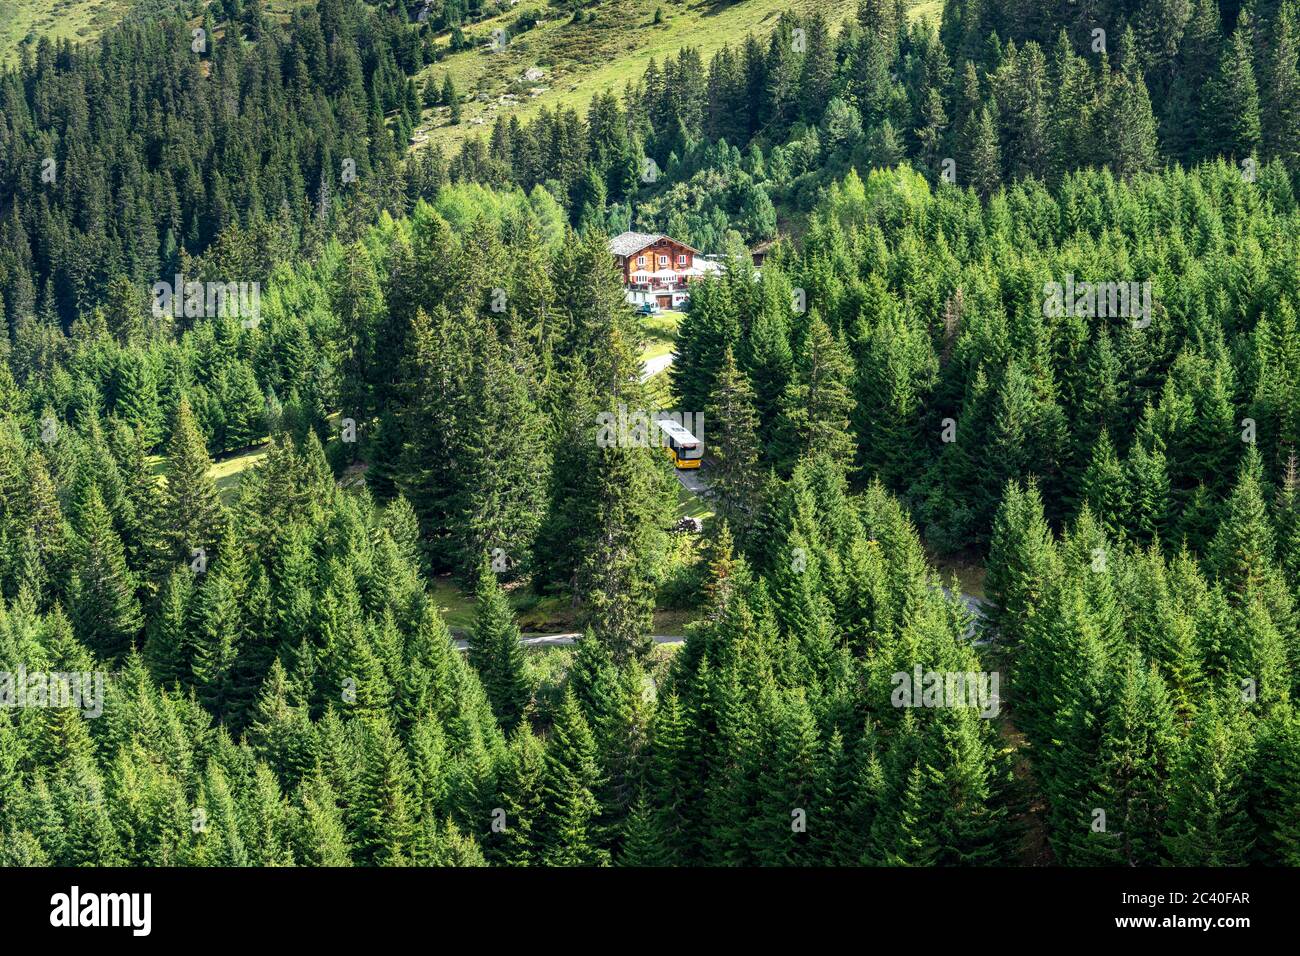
x=73, y=909
x=193, y=300
x=79, y=690
x=1100, y=300
x=639, y=428
x=974, y=689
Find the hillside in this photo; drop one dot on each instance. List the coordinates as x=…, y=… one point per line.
x=62, y=19
x=997, y=558
x=578, y=60
x=26, y=21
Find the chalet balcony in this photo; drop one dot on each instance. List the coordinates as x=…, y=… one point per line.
x=659, y=285
x=665, y=280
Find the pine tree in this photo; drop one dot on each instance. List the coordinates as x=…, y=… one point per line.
x=137, y=397
x=1288, y=523
x=569, y=783
x=1231, y=108
x=642, y=841
x=732, y=438
x=1277, y=775
x=767, y=358
x=906, y=839
x=384, y=823
x=1138, y=747
x=219, y=632
x=1280, y=136
x=1022, y=560
x=190, y=510
x=167, y=643
x=1131, y=127
x=496, y=653
x=102, y=594
x=446, y=845
x=320, y=836
x=817, y=77
x=432, y=95
x=985, y=162
x=501, y=473
x=1148, y=484
x=451, y=98
x=788, y=784
x=1105, y=490
x=896, y=368
x=522, y=800
x=1207, y=824
x=817, y=403
x=669, y=778
x=1243, y=552
x=245, y=408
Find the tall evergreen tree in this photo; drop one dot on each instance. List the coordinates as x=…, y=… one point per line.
x=495, y=651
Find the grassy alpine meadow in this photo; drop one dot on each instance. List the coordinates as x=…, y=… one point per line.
x=26, y=21
x=609, y=49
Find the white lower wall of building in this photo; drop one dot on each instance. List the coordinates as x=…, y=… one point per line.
x=641, y=296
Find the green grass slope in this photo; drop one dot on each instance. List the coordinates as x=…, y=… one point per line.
x=57, y=19
x=578, y=60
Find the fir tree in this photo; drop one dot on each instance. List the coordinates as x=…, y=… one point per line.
x=190, y=510
x=496, y=653
x=1231, y=109
x=816, y=406
x=570, y=780
x=733, y=441
x=102, y=593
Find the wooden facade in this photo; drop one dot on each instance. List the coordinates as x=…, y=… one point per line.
x=657, y=269
x=662, y=255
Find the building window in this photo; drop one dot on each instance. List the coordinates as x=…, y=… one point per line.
x=681, y=260
x=640, y=260
x=663, y=260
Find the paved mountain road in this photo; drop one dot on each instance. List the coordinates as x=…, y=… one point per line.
x=652, y=367
x=567, y=639
x=973, y=604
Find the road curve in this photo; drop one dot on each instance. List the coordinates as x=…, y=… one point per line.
x=566, y=639
x=652, y=367
x=973, y=605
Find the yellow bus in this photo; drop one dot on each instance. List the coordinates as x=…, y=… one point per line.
x=683, y=448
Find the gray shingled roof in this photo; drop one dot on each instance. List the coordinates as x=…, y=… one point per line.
x=630, y=242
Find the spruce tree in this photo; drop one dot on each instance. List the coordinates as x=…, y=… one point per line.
x=570, y=780
x=1231, y=108
x=1104, y=488
x=522, y=800
x=1207, y=823
x=732, y=439
x=817, y=403
x=105, y=610
x=190, y=510
x=1022, y=560
x=495, y=651
x=985, y=162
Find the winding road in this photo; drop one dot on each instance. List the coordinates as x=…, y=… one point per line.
x=974, y=605
x=652, y=367
x=565, y=640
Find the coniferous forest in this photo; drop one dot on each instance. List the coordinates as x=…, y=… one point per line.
x=994, y=554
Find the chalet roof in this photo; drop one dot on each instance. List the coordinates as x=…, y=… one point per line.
x=628, y=243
